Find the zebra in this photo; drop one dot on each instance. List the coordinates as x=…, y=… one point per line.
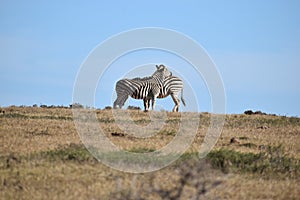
x=147, y=88
x=171, y=86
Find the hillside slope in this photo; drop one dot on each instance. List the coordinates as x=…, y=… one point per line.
x=42, y=156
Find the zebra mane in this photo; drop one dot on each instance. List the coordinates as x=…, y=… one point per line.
x=143, y=78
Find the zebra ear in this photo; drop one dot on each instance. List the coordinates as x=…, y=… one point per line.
x=157, y=66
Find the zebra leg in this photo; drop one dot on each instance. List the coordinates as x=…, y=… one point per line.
x=146, y=104
x=120, y=101
x=115, y=104
x=176, y=101
x=153, y=102
x=123, y=100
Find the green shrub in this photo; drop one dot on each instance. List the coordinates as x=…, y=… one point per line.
x=271, y=162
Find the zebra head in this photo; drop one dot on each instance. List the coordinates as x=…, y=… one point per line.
x=161, y=73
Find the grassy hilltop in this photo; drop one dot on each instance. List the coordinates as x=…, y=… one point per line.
x=42, y=157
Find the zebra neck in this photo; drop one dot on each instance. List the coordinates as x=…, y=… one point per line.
x=159, y=78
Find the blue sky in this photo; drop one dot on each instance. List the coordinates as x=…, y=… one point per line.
x=255, y=45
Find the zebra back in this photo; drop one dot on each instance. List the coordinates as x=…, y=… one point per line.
x=172, y=84
x=140, y=88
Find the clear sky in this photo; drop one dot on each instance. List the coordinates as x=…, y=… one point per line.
x=255, y=45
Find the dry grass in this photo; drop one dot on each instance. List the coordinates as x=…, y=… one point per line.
x=42, y=157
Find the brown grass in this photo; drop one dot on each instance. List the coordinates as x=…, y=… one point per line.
x=42, y=157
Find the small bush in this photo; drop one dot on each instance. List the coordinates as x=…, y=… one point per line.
x=248, y=112
x=271, y=162
x=141, y=150
x=249, y=145
x=73, y=152
x=227, y=160
x=76, y=105
x=258, y=112
x=107, y=108
x=133, y=108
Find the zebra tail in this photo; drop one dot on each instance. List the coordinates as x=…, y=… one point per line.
x=182, y=99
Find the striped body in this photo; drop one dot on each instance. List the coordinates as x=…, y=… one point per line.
x=172, y=86
x=147, y=88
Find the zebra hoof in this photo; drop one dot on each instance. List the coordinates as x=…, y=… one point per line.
x=146, y=110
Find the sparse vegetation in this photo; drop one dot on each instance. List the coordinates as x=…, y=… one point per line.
x=41, y=156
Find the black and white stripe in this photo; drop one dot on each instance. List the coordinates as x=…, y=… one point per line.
x=147, y=88
x=172, y=86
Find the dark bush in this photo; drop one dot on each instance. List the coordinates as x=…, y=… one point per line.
x=258, y=112
x=133, y=108
x=76, y=105
x=248, y=112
